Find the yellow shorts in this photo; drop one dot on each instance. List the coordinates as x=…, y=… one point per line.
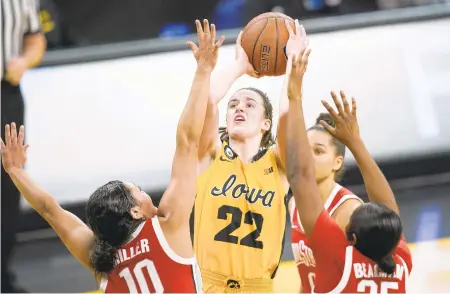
x=216, y=283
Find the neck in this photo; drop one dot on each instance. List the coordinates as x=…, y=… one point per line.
x=325, y=188
x=246, y=149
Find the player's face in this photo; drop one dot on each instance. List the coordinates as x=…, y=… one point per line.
x=145, y=207
x=324, y=153
x=245, y=115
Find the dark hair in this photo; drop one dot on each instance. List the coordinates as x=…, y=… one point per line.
x=108, y=215
x=267, y=139
x=378, y=230
x=340, y=147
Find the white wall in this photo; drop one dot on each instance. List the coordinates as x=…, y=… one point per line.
x=95, y=122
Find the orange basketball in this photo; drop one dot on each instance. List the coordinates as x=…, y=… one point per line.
x=264, y=40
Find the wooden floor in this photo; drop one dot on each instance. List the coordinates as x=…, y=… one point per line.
x=431, y=272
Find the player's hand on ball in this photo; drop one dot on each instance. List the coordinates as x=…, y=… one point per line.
x=207, y=51
x=347, y=128
x=298, y=41
x=14, y=153
x=242, y=59
x=298, y=65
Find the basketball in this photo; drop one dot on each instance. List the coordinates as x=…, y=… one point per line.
x=264, y=40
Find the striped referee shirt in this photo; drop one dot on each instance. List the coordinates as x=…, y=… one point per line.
x=18, y=18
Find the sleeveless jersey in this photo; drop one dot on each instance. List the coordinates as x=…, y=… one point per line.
x=240, y=217
x=303, y=255
x=341, y=268
x=147, y=264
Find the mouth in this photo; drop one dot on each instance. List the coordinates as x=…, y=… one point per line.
x=239, y=118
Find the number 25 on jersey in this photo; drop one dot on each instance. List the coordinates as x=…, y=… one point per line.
x=371, y=286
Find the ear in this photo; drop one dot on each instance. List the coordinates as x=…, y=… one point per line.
x=354, y=239
x=136, y=212
x=338, y=162
x=266, y=125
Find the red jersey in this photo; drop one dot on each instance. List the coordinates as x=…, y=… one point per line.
x=341, y=268
x=147, y=264
x=303, y=255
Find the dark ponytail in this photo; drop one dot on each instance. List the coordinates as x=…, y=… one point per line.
x=387, y=264
x=103, y=256
x=326, y=117
x=108, y=215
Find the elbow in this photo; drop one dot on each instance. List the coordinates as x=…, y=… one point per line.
x=188, y=139
x=299, y=175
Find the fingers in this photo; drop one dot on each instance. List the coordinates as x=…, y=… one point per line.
x=8, y=135
x=220, y=41
x=305, y=59
x=337, y=103
x=192, y=45
x=213, y=34
x=330, y=110
x=2, y=145
x=239, y=38
x=327, y=127
x=206, y=28
x=353, y=106
x=289, y=28
x=13, y=135
x=200, y=33
x=21, y=137
x=26, y=147
x=297, y=28
x=345, y=103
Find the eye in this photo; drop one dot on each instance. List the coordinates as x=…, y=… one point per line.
x=232, y=105
x=250, y=105
x=319, y=151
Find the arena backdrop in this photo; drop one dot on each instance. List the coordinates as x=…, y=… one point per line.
x=116, y=119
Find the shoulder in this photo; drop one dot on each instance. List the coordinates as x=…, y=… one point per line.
x=347, y=207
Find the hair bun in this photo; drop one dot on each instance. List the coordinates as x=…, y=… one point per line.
x=326, y=117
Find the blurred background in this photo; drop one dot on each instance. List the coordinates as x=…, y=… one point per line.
x=105, y=102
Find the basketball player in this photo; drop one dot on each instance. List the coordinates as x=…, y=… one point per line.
x=328, y=153
x=240, y=212
x=371, y=256
x=130, y=245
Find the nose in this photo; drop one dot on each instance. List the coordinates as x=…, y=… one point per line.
x=240, y=107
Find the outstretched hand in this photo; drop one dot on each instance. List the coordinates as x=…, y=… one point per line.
x=207, y=51
x=14, y=153
x=242, y=59
x=299, y=64
x=298, y=41
x=347, y=128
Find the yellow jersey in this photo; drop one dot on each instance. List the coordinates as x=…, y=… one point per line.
x=240, y=218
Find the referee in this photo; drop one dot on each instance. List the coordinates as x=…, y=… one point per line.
x=22, y=47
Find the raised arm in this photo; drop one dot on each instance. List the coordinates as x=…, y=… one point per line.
x=347, y=131
x=297, y=42
x=300, y=163
x=71, y=230
x=221, y=82
x=178, y=200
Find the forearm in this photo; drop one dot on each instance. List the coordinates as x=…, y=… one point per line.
x=33, y=49
x=376, y=184
x=190, y=125
x=41, y=200
x=282, y=120
x=300, y=168
x=221, y=82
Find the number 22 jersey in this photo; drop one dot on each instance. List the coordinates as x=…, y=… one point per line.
x=147, y=264
x=239, y=220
